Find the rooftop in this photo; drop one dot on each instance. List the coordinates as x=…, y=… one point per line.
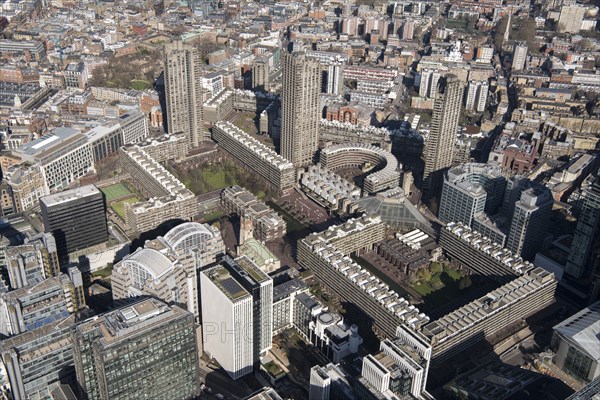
x=131, y=321
x=583, y=330
x=46, y=143
x=225, y=282
x=70, y=195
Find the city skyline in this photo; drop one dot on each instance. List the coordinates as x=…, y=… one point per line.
x=302, y=201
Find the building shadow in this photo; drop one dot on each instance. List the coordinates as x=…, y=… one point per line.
x=160, y=230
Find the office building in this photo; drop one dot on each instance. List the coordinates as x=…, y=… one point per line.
x=439, y=148
x=469, y=189
x=480, y=254
x=145, y=350
x=588, y=392
x=273, y=168
x=477, y=94
x=585, y=239
x=266, y=224
x=65, y=156
x=530, y=220
x=576, y=343
x=519, y=56
x=326, y=330
x=261, y=74
x=76, y=218
x=33, y=50
x=26, y=185
x=227, y=321
x=300, y=108
x=106, y=139
x=400, y=367
x=457, y=331
x=156, y=270
x=284, y=301
x=259, y=286
x=571, y=18
x=31, y=307
x=38, y=361
x=76, y=75
x=327, y=254
x=32, y=262
x=183, y=91
x=330, y=382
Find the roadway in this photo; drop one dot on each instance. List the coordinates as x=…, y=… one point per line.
x=217, y=380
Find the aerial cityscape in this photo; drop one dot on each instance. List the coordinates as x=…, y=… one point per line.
x=300, y=200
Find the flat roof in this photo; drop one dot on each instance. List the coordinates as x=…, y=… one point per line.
x=69, y=195
x=56, y=137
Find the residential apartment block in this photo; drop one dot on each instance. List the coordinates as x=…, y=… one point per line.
x=276, y=170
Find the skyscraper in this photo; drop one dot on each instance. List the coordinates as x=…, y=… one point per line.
x=519, y=56
x=439, y=148
x=183, y=91
x=237, y=314
x=468, y=189
x=147, y=350
x=428, y=85
x=227, y=321
x=580, y=263
x=529, y=221
x=477, y=96
x=334, y=77
x=300, y=108
x=76, y=218
x=260, y=73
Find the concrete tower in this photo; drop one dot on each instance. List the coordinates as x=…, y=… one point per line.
x=580, y=262
x=530, y=221
x=300, y=108
x=439, y=148
x=183, y=91
x=519, y=56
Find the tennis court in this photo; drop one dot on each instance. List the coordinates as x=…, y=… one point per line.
x=115, y=191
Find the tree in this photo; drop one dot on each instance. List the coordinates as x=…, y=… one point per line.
x=436, y=267
x=465, y=282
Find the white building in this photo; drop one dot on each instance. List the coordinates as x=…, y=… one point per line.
x=65, y=156
x=477, y=94
x=519, y=56
x=576, y=341
x=227, y=321
x=429, y=83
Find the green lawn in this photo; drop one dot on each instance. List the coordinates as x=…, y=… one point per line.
x=214, y=179
x=273, y=369
x=119, y=207
x=104, y=272
x=213, y=216
x=440, y=289
x=208, y=178
x=115, y=191
x=138, y=84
